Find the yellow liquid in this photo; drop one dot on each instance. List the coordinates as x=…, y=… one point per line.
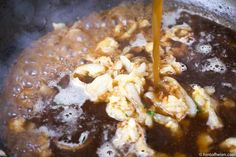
x=156, y=28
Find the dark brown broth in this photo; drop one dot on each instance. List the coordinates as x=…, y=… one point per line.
x=95, y=120
x=160, y=138
x=222, y=48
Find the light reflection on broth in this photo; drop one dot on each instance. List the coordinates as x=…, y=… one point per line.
x=88, y=90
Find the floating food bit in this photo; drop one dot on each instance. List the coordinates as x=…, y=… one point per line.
x=213, y=121
x=181, y=33
x=149, y=47
x=174, y=88
x=78, y=92
x=143, y=23
x=209, y=89
x=107, y=46
x=128, y=87
x=126, y=63
x=92, y=70
x=99, y=87
x=17, y=124
x=207, y=105
x=2, y=153
x=168, y=122
x=175, y=107
x=229, y=144
x=123, y=32
x=44, y=146
x=139, y=44
x=203, y=142
x=140, y=41
x=126, y=50
x=169, y=66
x=130, y=133
x=133, y=97
x=177, y=104
x=170, y=104
x=45, y=90
x=119, y=108
x=57, y=26
x=74, y=93
x=104, y=61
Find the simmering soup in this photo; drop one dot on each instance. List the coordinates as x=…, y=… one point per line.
x=87, y=89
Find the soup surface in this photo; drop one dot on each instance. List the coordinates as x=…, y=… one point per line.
x=86, y=89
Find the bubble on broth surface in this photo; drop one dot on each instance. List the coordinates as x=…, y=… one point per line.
x=83, y=137
x=183, y=67
x=54, y=57
x=70, y=115
x=16, y=89
x=206, y=37
x=203, y=48
x=106, y=150
x=26, y=83
x=209, y=37
x=202, y=34
x=214, y=64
